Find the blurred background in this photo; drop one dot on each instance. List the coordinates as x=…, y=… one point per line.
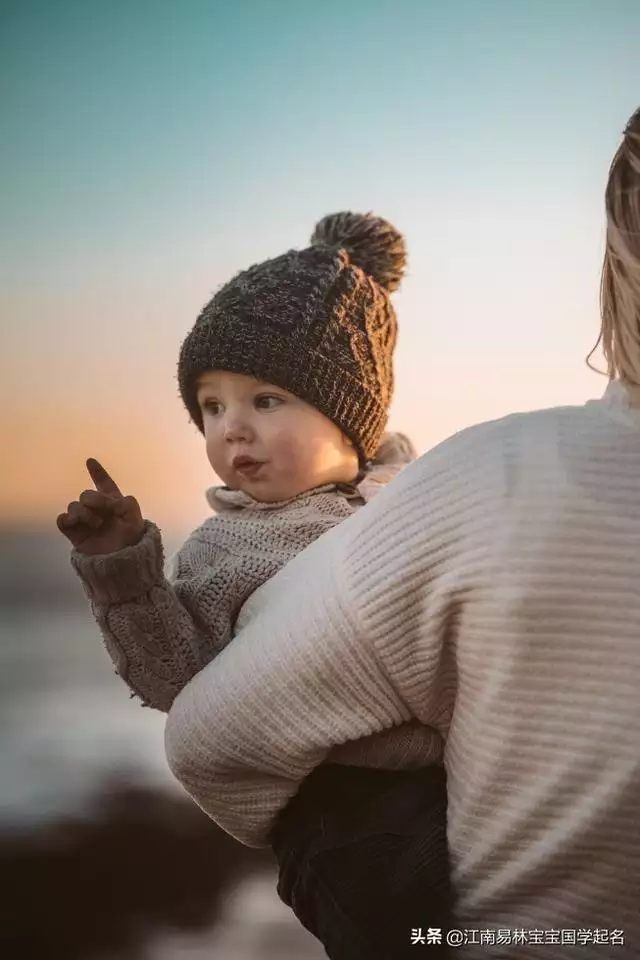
x=151, y=149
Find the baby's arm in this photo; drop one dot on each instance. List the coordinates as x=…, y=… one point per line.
x=158, y=634
x=151, y=637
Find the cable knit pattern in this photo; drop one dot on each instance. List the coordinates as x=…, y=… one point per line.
x=493, y=592
x=160, y=632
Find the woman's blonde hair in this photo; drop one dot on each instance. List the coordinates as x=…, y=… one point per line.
x=620, y=284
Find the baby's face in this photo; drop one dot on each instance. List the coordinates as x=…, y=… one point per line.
x=265, y=441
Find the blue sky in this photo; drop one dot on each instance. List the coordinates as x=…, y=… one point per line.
x=151, y=149
x=153, y=115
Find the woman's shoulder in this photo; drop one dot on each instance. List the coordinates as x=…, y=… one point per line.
x=470, y=464
x=521, y=425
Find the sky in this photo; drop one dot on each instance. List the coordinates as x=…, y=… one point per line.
x=152, y=149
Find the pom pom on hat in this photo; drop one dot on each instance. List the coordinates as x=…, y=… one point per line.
x=372, y=244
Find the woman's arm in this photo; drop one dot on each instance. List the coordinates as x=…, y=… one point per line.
x=346, y=641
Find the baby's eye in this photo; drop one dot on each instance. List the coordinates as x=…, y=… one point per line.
x=212, y=407
x=267, y=401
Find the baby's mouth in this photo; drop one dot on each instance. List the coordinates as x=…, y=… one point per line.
x=247, y=466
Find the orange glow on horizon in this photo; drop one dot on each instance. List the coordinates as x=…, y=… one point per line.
x=46, y=468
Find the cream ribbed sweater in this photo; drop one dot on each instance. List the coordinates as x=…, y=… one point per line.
x=492, y=591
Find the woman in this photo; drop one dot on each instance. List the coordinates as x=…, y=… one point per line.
x=492, y=592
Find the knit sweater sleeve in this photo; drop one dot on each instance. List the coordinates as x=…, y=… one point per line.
x=158, y=633
x=350, y=639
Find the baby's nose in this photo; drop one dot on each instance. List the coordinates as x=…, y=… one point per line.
x=236, y=428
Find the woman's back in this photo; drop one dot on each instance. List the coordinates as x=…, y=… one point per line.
x=543, y=749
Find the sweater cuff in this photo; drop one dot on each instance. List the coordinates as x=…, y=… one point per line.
x=126, y=574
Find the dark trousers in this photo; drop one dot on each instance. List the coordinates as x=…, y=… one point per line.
x=363, y=859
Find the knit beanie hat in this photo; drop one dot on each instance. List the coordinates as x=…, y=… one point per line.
x=317, y=322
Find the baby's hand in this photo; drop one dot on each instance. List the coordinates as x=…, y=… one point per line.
x=102, y=520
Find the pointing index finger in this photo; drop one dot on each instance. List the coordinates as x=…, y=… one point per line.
x=103, y=482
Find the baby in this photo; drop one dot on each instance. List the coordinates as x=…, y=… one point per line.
x=288, y=375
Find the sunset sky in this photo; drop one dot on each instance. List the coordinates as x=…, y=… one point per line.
x=151, y=149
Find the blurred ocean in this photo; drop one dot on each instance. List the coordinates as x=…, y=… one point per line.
x=66, y=720
x=87, y=803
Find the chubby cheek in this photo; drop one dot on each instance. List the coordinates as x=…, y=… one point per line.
x=291, y=454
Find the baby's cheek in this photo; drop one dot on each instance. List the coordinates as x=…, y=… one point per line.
x=294, y=454
x=217, y=459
